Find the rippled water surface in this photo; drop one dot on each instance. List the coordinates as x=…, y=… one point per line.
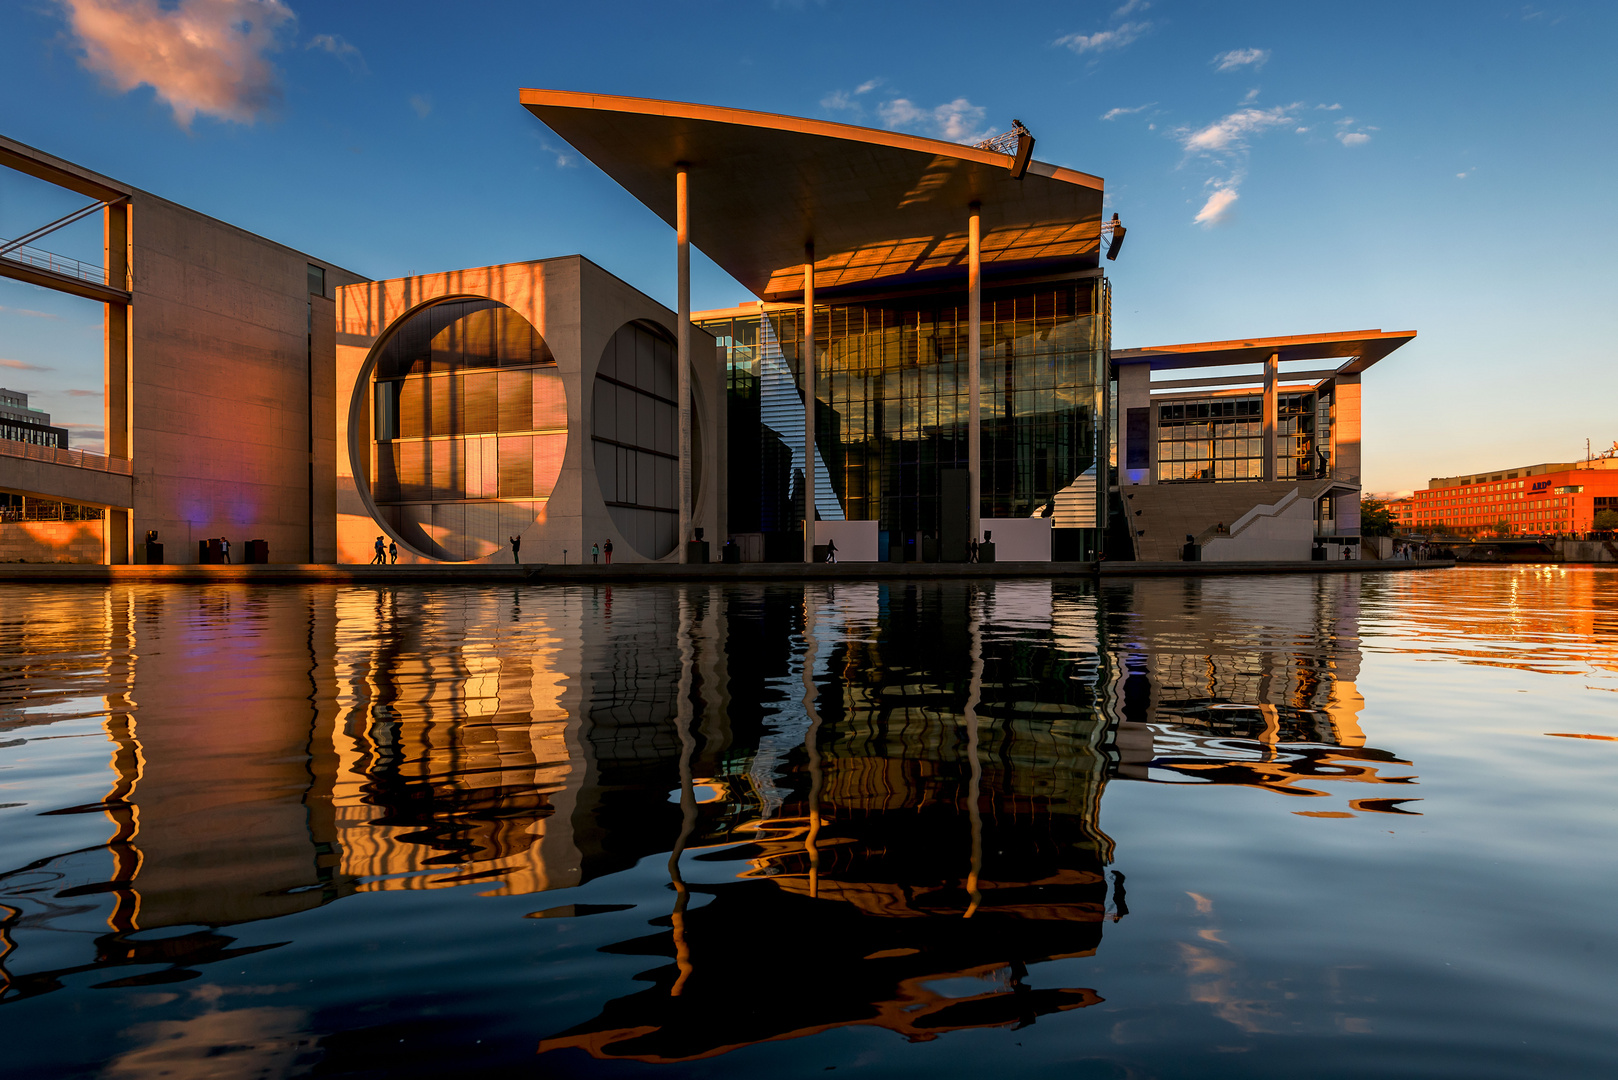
x=1302, y=826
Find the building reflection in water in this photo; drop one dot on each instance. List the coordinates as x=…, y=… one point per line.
x=898, y=787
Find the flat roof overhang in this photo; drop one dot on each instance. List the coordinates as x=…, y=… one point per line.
x=881, y=208
x=1358, y=348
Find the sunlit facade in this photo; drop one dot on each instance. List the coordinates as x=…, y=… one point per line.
x=1556, y=499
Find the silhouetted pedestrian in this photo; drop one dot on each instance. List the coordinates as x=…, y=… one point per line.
x=595, y=554
x=393, y=552
x=516, y=545
x=607, y=550
x=379, y=558
x=831, y=551
x=224, y=548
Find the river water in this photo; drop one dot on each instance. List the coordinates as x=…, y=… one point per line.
x=1334, y=825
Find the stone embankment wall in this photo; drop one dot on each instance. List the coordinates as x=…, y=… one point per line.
x=50, y=541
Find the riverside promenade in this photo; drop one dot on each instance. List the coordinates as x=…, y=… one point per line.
x=626, y=573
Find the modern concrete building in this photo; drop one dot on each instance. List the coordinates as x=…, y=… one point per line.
x=534, y=400
x=1247, y=461
x=218, y=361
x=943, y=308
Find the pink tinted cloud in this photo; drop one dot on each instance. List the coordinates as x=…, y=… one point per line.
x=200, y=56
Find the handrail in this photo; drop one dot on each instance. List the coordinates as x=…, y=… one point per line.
x=81, y=459
x=61, y=264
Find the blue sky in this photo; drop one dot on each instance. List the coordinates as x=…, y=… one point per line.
x=1282, y=167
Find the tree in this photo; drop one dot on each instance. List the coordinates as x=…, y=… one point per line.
x=1606, y=521
x=1375, y=520
x=1502, y=527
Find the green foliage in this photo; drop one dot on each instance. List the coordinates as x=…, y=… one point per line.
x=1375, y=520
x=1606, y=520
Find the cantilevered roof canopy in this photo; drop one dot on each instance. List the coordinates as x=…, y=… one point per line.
x=1359, y=348
x=881, y=208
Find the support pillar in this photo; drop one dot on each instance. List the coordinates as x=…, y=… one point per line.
x=809, y=402
x=974, y=377
x=682, y=240
x=117, y=524
x=1272, y=367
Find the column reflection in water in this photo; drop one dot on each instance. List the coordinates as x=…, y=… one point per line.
x=890, y=795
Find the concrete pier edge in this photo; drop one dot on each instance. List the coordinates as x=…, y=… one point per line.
x=634, y=573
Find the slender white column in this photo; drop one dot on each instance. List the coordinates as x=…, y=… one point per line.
x=1272, y=367
x=974, y=375
x=682, y=240
x=809, y=402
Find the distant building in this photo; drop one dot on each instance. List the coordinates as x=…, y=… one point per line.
x=1402, y=513
x=1532, y=500
x=19, y=423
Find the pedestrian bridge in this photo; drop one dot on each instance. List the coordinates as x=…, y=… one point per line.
x=49, y=472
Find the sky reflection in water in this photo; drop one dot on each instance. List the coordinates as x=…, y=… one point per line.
x=1228, y=826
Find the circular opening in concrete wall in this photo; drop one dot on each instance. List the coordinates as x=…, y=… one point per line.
x=470, y=426
x=635, y=436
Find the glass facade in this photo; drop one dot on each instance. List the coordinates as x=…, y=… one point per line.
x=470, y=424
x=635, y=435
x=1222, y=439
x=892, y=405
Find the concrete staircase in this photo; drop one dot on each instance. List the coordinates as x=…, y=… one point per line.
x=1221, y=516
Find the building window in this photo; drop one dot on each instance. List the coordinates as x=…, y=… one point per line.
x=470, y=423
x=635, y=433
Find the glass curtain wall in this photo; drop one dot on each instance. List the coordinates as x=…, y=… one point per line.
x=471, y=426
x=892, y=403
x=1222, y=439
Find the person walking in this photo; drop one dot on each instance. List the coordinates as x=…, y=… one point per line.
x=516, y=545
x=378, y=559
x=972, y=550
x=595, y=554
x=224, y=547
x=831, y=551
x=393, y=552
x=607, y=550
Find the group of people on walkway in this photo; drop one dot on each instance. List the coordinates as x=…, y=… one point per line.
x=385, y=552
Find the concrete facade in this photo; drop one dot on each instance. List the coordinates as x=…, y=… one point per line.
x=576, y=307
x=217, y=358
x=228, y=384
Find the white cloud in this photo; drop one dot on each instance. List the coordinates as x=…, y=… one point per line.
x=1103, y=40
x=1225, y=143
x=18, y=365
x=422, y=104
x=564, y=160
x=1130, y=7
x=847, y=100
x=958, y=120
x=1240, y=58
x=1329, y=108
x=1217, y=210
x=1113, y=114
x=1300, y=131
x=1353, y=138
x=200, y=56
x=334, y=44
x=1230, y=132
x=30, y=312
x=1251, y=96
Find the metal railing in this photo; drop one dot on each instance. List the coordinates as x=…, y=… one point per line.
x=81, y=459
x=61, y=264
